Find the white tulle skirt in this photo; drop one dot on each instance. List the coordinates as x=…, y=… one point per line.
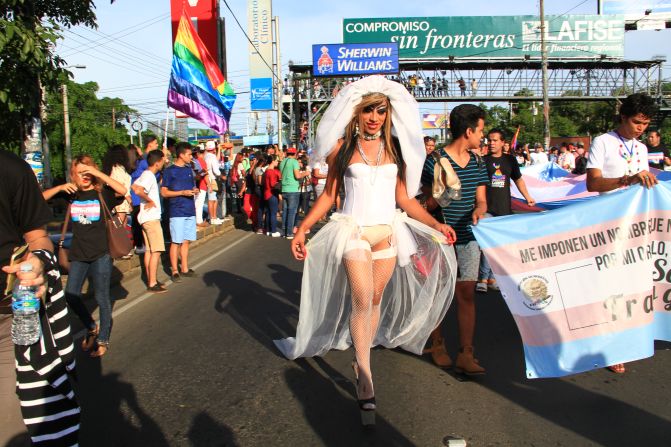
x=414, y=302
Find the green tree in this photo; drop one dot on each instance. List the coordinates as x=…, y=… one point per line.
x=92, y=130
x=29, y=30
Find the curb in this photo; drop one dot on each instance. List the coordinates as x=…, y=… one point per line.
x=125, y=269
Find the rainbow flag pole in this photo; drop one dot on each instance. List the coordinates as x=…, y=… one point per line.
x=197, y=86
x=513, y=143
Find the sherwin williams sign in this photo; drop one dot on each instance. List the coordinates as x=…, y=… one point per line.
x=354, y=59
x=570, y=36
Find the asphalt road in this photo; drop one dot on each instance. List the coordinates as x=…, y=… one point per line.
x=197, y=367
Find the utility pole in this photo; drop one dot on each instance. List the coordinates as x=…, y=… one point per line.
x=66, y=132
x=278, y=80
x=544, y=65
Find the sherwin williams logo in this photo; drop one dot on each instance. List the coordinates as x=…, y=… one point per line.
x=535, y=291
x=325, y=62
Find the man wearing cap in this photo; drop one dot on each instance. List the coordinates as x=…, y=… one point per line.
x=213, y=173
x=290, y=172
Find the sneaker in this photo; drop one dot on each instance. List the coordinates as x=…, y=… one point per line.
x=276, y=234
x=216, y=222
x=189, y=273
x=175, y=277
x=481, y=287
x=140, y=250
x=157, y=288
x=493, y=285
x=289, y=238
x=260, y=232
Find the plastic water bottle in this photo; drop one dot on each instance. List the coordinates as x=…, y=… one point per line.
x=26, y=327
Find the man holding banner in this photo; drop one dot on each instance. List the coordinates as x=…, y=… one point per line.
x=617, y=159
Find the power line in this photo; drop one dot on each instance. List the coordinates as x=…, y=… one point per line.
x=141, y=25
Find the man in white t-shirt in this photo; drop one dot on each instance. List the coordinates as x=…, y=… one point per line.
x=539, y=157
x=617, y=159
x=146, y=188
x=213, y=173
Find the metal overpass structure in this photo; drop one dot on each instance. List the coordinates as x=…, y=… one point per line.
x=306, y=96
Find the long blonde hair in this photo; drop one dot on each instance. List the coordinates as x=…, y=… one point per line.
x=391, y=145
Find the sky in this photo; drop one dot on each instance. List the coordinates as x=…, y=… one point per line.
x=129, y=54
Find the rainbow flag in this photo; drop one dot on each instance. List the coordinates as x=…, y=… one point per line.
x=197, y=86
x=513, y=143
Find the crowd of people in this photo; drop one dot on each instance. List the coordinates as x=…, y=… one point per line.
x=355, y=181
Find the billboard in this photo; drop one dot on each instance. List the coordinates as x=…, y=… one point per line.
x=259, y=29
x=354, y=59
x=435, y=121
x=646, y=14
x=493, y=37
x=204, y=15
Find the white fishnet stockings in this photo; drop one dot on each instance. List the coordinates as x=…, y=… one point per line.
x=367, y=279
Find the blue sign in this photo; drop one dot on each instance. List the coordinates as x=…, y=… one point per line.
x=261, y=94
x=354, y=59
x=259, y=140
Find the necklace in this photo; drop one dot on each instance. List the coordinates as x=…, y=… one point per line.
x=628, y=154
x=371, y=136
x=368, y=162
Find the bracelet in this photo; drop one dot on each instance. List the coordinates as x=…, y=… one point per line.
x=623, y=181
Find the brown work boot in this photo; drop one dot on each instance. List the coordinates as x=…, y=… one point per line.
x=467, y=364
x=438, y=351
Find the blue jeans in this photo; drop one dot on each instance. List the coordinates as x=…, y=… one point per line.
x=270, y=207
x=100, y=272
x=289, y=210
x=485, y=271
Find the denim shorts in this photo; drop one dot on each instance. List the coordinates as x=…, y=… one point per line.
x=182, y=229
x=468, y=260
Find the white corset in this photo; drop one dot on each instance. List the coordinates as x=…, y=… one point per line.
x=368, y=202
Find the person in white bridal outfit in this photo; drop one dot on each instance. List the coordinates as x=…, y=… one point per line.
x=374, y=275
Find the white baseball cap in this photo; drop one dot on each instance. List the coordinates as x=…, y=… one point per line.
x=210, y=145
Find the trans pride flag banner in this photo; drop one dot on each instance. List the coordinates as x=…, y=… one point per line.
x=197, y=86
x=551, y=186
x=589, y=285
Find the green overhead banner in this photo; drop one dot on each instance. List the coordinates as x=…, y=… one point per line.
x=493, y=37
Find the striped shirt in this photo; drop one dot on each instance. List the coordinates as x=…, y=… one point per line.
x=44, y=370
x=459, y=213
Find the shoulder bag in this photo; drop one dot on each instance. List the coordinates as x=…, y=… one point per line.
x=118, y=237
x=446, y=185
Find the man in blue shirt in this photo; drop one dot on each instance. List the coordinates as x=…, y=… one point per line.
x=466, y=124
x=179, y=188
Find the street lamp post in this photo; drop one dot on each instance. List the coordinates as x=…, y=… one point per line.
x=66, y=126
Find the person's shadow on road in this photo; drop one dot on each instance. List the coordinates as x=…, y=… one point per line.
x=206, y=432
x=334, y=417
x=265, y=313
x=111, y=414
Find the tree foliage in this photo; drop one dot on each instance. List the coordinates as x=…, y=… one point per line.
x=92, y=129
x=29, y=30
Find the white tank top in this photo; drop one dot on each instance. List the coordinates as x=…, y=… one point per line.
x=370, y=202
